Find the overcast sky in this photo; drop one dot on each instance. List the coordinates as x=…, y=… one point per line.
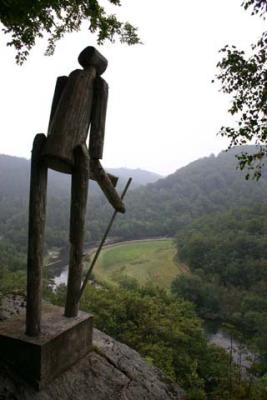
x=163, y=111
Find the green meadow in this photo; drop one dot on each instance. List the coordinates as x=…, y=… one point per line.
x=146, y=261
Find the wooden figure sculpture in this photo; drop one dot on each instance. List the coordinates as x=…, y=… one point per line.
x=79, y=103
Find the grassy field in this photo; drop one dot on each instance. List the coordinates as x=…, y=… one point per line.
x=148, y=260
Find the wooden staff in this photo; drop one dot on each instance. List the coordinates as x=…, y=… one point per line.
x=37, y=209
x=79, y=190
x=102, y=243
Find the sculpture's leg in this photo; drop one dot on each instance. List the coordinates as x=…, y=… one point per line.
x=79, y=190
x=37, y=209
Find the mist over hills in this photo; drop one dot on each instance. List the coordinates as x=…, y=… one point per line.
x=14, y=196
x=15, y=176
x=15, y=183
x=162, y=207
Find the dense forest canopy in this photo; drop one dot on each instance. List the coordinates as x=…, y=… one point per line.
x=161, y=208
x=167, y=332
x=227, y=256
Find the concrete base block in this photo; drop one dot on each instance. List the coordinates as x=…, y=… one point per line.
x=62, y=342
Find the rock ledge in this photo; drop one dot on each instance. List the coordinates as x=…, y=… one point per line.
x=112, y=371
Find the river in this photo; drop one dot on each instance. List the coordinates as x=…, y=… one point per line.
x=240, y=353
x=62, y=278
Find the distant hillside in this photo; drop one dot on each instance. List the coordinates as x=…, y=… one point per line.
x=14, y=193
x=208, y=185
x=140, y=176
x=15, y=175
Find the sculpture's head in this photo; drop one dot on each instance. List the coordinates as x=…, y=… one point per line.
x=90, y=57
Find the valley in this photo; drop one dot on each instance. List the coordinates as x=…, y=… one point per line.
x=146, y=261
x=209, y=264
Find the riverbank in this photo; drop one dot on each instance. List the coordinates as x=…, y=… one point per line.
x=147, y=261
x=60, y=265
x=153, y=260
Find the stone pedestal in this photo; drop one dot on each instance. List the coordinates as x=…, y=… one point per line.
x=62, y=342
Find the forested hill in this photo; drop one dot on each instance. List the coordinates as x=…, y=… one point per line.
x=14, y=197
x=15, y=176
x=208, y=185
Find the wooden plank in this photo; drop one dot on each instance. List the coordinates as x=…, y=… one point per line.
x=98, y=119
x=60, y=85
x=79, y=190
x=37, y=212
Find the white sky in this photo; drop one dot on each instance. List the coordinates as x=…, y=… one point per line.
x=163, y=111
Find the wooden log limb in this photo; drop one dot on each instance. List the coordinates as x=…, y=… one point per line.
x=60, y=85
x=79, y=190
x=37, y=212
x=114, y=179
x=70, y=123
x=98, y=119
x=105, y=184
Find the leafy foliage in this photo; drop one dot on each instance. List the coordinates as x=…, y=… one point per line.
x=27, y=20
x=166, y=332
x=258, y=6
x=12, y=282
x=228, y=259
x=11, y=258
x=231, y=245
x=244, y=76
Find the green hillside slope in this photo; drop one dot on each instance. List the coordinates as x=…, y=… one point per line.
x=206, y=186
x=163, y=208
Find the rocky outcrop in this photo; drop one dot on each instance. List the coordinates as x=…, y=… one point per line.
x=112, y=371
x=12, y=305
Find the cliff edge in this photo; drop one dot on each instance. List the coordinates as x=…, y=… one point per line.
x=112, y=371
